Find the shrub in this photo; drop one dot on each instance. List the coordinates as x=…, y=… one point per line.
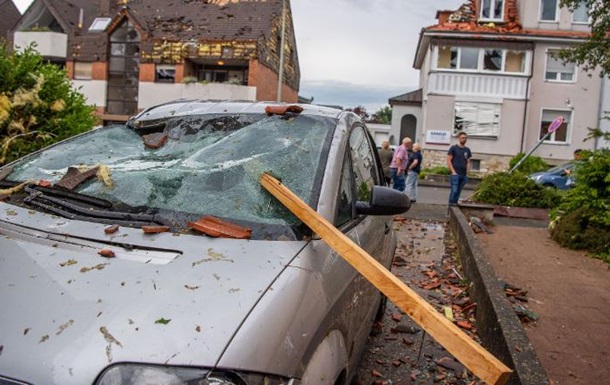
x=582, y=220
x=38, y=105
x=436, y=170
x=530, y=165
x=592, y=189
x=575, y=230
x=515, y=190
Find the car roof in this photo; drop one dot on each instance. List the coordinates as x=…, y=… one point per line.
x=198, y=107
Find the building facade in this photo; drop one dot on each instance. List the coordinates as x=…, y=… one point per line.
x=127, y=55
x=487, y=69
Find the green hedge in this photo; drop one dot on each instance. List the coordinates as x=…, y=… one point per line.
x=515, y=190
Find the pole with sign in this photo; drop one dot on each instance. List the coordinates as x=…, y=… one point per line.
x=554, y=126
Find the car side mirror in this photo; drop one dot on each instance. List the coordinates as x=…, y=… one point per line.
x=384, y=201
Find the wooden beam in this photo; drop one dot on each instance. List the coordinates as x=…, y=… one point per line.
x=472, y=355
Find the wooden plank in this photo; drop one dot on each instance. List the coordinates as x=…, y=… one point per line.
x=472, y=355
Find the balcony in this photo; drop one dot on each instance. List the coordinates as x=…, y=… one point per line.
x=479, y=85
x=51, y=45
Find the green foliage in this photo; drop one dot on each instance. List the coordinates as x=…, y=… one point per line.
x=575, y=230
x=592, y=190
x=595, y=50
x=515, y=190
x=383, y=115
x=582, y=220
x=436, y=170
x=530, y=165
x=38, y=105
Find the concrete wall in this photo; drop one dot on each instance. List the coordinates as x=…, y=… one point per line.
x=93, y=90
x=580, y=97
x=380, y=132
x=151, y=94
x=48, y=44
x=398, y=112
x=529, y=12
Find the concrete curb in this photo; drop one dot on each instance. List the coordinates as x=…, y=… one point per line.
x=498, y=326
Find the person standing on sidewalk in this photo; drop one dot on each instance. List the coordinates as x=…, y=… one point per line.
x=413, y=169
x=399, y=164
x=458, y=161
x=386, y=155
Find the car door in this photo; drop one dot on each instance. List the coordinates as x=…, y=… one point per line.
x=359, y=174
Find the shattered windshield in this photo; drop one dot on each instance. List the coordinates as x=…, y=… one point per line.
x=200, y=165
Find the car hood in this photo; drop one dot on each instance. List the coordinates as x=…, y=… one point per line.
x=67, y=312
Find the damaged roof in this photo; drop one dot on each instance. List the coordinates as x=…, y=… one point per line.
x=465, y=22
x=176, y=19
x=9, y=14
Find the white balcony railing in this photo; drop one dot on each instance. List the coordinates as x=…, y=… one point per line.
x=151, y=94
x=48, y=44
x=496, y=86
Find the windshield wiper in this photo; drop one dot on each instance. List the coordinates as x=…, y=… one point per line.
x=74, y=211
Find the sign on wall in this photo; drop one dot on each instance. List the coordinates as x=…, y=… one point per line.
x=438, y=137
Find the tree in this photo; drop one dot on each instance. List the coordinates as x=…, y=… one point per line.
x=38, y=105
x=595, y=50
x=383, y=115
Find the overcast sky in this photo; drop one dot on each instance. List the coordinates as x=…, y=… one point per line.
x=357, y=52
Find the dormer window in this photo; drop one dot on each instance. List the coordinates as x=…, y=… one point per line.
x=492, y=10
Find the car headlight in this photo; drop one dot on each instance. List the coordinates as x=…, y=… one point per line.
x=137, y=374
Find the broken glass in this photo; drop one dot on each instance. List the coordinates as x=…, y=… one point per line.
x=209, y=165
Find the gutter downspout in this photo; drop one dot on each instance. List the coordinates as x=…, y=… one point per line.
x=280, y=80
x=527, y=99
x=600, y=109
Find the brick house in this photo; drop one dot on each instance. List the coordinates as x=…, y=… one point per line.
x=128, y=55
x=9, y=14
x=487, y=69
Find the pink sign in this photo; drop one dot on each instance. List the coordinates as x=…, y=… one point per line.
x=555, y=124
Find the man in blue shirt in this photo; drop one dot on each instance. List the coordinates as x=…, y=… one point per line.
x=458, y=161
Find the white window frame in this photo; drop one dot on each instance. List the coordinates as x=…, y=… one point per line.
x=497, y=110
x=586, y=22
x=481, y=64
x=551, y=138
x=492, y=5
x=558, y=78
x=540, y=19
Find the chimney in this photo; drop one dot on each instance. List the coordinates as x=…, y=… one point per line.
x=443, y=16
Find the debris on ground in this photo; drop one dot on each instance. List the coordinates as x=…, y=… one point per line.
x=518, y=299
x=478, y=226
x=398, y=351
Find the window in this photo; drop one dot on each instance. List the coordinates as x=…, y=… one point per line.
x=490, y=59
x=475, y=164
x=447, y=57
x=83, y=71
x=558, y=71
x=469, y=58
x=358, y=177
x=548, y=10
x=515, y=62
x=165, y=73
x=492, y=9
x=581, y=14
x=477, y=119
x=561, y=135
x=493, y=59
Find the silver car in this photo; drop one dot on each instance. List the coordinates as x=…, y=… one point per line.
x=105, y=279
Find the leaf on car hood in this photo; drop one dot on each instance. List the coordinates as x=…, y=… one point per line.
x=109, y=337
x=69, y=262
x=96, y=267
x=64, y=326
x=163, y=321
